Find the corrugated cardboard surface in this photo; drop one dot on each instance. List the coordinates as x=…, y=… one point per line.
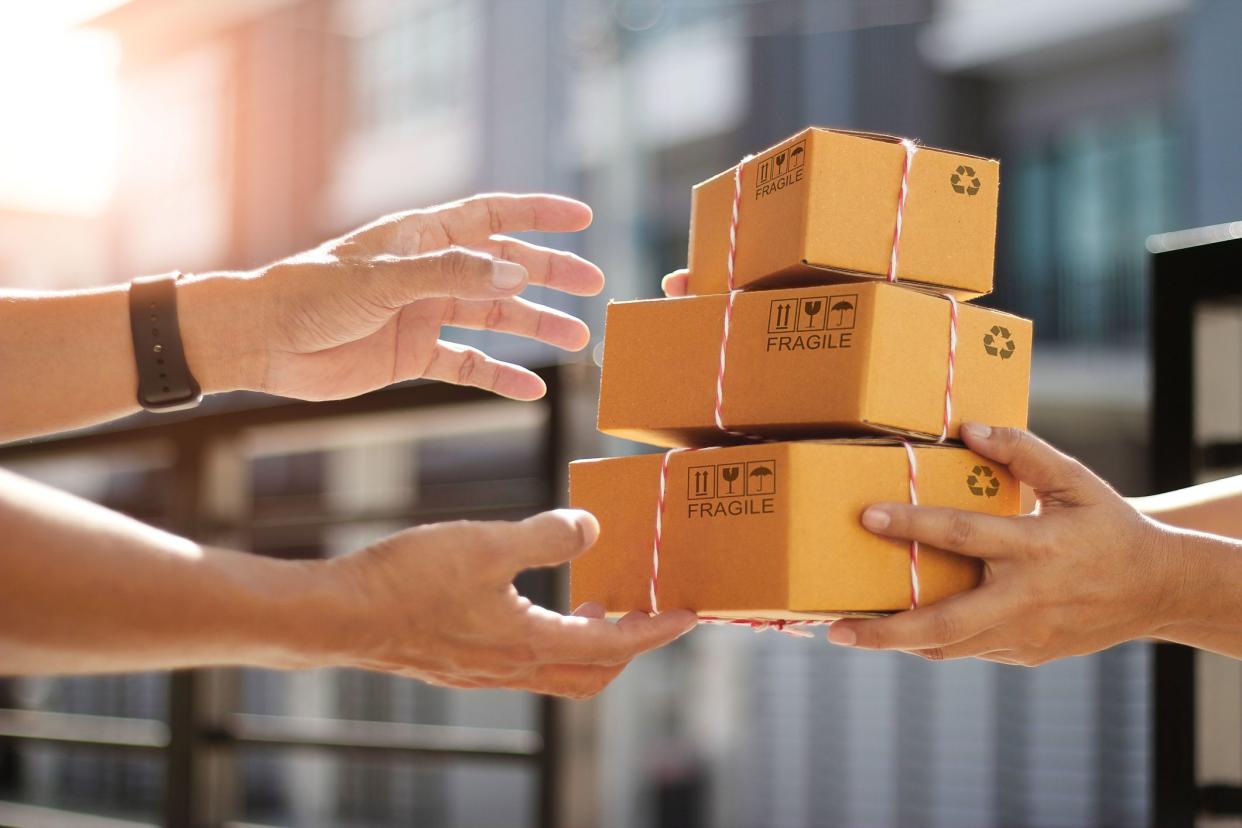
x=871, y=358
x=785, y=543
x=821, y=207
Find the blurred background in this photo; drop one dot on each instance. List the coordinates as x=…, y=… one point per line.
x=151, y=135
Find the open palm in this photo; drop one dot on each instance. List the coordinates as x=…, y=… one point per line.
x=365, y=310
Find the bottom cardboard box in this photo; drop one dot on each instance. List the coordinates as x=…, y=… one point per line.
x=772, y=531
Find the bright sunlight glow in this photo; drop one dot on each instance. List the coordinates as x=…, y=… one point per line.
x=59, y=99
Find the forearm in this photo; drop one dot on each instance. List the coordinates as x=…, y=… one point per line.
x=86, y=590
x=1214, y=507
x=1206, y=608
x=67, y=359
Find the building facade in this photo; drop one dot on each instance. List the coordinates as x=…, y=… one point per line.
x=261, y=128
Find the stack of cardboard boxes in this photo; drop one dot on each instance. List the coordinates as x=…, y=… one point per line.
x=795, y=393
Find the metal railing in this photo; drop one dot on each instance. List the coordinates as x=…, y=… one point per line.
x=200, y=731
x=1185, y=278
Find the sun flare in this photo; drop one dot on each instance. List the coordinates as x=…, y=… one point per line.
x=59, y=99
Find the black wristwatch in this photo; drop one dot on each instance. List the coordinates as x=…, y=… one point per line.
x=164, y=379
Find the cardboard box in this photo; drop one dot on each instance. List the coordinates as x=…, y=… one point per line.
x=821, y=207
x=856, y=359
x=772, y=531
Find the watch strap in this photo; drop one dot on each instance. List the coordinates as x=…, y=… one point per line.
x=164, y=379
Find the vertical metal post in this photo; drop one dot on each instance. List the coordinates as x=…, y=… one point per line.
x=182, y=808
x=1172, y=466
x=550, y=713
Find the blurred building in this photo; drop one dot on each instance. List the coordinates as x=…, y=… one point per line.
x=261, y=127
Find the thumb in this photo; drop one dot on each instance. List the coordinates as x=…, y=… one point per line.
x=550, y=539
x=455, y=272
x=1034, y=462
x=676, y=283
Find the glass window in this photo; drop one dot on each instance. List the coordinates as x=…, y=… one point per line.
x=1077, y=210
x=416, y=66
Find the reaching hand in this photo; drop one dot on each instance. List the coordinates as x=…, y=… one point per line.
x=438, y=603
x=1084, y=572
x=365, y=310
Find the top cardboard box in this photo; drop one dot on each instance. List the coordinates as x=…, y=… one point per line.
x=821, y=207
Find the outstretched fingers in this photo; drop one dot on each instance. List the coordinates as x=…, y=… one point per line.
x=553, y=269
x=514, y=315
x=473, y=220
x=463, y=365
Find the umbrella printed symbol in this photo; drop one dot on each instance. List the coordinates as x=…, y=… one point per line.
x=760, y=478
x=840, y=308
x=795, y=156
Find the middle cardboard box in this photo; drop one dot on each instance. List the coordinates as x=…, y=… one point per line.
x=858, y=359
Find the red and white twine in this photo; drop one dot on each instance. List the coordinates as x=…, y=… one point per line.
x=659, y=529
x=734, y=221
x=948, y=384
x=911, y=148
x=798, y=627
x=914, y=545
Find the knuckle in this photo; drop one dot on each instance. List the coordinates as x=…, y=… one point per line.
x=1018, y=440
x=460, y=263
x=944, y=628
x=1076, y=476
x=524, y=653
x=495, y=221
x=476, y=535
x=1040, y=637
x=497, y=314
x=1044, y=547
x=932, y=653
x=870, y=639
x=468, y=368
x=959, y=530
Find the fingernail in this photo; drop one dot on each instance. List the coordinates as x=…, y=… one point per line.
x=507, y=275
x=977, y=430
x=876, y=519
x=842, y=636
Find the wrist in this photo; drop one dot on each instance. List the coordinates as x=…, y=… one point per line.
x=219, y=332
x=301, y=614
x=1184, y=569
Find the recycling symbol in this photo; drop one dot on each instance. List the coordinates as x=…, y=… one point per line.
x=964, y=180
x=997, y=342
x=982, y=482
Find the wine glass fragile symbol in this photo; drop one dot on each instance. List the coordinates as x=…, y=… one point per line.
x=729, y=473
